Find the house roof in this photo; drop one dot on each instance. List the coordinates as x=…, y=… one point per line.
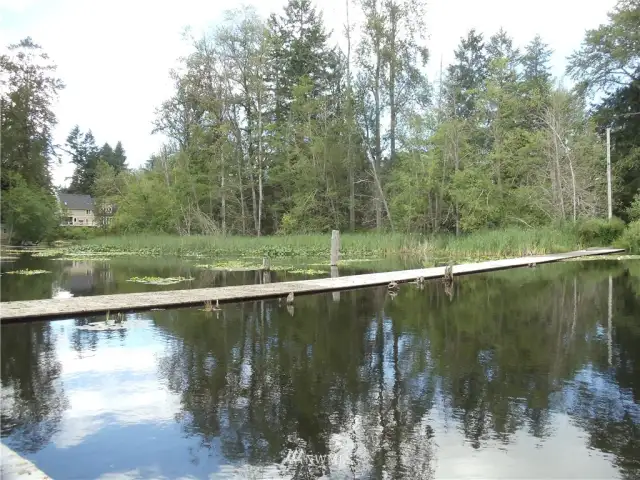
x=76, y=202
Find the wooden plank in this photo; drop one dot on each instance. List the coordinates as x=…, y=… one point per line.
x=81, y=306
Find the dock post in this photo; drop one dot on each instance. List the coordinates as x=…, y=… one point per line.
x=334, y=274
x=266, y=270
x=335, y=247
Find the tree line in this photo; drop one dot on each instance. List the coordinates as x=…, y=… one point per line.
x=272, y=127
x=30, y=88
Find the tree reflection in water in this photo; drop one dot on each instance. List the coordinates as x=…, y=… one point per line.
x=375, y=386
x=33, y=398
x=365, y=374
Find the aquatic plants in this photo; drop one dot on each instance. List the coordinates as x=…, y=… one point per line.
x=230, y=266
x=27, y=271
x=159, y=280
x=82, y=258
x=47, y=253
x=362, y=245
x=307, y=271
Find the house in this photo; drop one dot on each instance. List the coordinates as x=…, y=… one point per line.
x=77, y=210
x=81, y=211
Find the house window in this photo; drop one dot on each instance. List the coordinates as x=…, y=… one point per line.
x=74, y=219
x=69, y=220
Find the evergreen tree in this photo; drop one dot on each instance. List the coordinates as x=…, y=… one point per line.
x=118, y=159
x=29, y=88
x=465, y=77
x=299, y=49
x=535, y=62
x=84, y=155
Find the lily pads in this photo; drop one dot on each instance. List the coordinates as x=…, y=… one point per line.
x=27, y=272
x=84, y=259
x=47, y=253
x=159, y=280
x=308, y=271
x=230, y=266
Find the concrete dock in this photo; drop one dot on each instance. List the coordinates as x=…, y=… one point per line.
x=14, y=467
x=82, y=306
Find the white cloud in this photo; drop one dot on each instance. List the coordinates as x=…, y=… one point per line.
x=113, y=384
x=115, y=55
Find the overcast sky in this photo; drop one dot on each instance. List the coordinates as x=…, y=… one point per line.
x=114, y=55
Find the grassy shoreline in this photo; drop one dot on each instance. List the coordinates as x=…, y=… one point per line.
x=479, y=245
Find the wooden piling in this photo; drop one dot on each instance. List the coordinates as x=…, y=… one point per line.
x=335, y=248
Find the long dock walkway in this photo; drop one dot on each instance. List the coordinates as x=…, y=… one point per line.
x=81, y=306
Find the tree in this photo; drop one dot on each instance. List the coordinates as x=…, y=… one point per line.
x=84, y=155
x=29, y=89
x=30, y=212
x=114, y=157
x=371, y=102
x=298, y=49
x=466, y=76
x=107, y=188
x=608, y=63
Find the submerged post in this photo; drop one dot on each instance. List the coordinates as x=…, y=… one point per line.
x=335, y=247
x=334, y=274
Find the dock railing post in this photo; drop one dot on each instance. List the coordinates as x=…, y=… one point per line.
x=335, y=247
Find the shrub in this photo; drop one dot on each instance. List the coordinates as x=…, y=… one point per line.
x=634, y=209
x=77, y=233
x=594, y=232
x=28, y=211
x=630, y=239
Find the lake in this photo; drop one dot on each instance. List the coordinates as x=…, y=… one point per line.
x=527, y=373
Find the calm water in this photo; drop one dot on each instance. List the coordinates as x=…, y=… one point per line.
x=517, y=374
x=76, y=278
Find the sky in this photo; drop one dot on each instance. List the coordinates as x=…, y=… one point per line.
x=115, y=55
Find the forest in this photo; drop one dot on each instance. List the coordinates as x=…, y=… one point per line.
x=272, y=127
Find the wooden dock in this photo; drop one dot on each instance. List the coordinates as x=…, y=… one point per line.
x=82, y=306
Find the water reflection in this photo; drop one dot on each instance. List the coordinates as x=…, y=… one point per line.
x=98, y=277
x=518, y=375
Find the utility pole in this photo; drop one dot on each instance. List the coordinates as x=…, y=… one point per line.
x=609, y=173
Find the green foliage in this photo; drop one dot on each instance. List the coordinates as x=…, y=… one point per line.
x=26, y=271
x=607, y=66
x=633, y=211
x=29, y=89
x=351, y=245
x=599, y=232
x=147, y=206
x=158, y=280
x=510, y=242
x=483, y=244
x=630, y=239
x=30, y=213
x=75, y=233
x=91, y=161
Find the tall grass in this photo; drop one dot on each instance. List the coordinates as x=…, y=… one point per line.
x=486, y=244
x=511, y=242
x=317, y=245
